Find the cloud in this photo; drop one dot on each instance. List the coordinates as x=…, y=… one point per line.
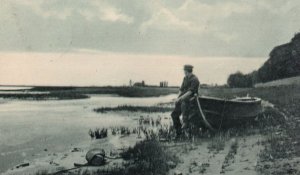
x=193, y=16
x=105, y=12
x=64, y=9
x=182, y=27
x=165, y=19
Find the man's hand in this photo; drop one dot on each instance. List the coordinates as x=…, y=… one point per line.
x=187, y=95
x=179, y=93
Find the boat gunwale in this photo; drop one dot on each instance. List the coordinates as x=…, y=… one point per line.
x=254, y=100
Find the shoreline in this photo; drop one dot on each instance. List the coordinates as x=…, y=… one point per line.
x=66, y=93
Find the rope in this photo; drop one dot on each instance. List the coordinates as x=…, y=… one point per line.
x=203, y=116
x=222, y=115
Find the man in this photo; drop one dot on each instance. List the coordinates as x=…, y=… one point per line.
x=183, y=103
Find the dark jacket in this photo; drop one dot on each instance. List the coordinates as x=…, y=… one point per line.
x=190, y=83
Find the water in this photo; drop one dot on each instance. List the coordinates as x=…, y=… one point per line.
x=19, y=90
x=12, y=88
x=29, y=127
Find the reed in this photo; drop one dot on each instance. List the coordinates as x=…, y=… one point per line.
x=98, y=133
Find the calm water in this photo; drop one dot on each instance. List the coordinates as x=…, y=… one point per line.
x=12, y=88
x=29, y=127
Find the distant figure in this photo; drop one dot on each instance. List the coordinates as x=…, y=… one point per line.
x=183, y=103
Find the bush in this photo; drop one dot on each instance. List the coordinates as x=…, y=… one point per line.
x=148, y=157
x=239, y=80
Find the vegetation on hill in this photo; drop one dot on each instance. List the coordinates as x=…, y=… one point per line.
x=284, y=62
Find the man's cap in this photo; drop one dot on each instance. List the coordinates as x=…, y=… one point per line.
x=188, y=67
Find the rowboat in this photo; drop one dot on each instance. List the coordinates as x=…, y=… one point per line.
x=216, y=112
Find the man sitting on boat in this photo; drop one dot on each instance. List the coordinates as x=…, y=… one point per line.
x=183, y=104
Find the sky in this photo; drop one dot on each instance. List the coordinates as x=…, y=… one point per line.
x=90, y=68
x=180, y=28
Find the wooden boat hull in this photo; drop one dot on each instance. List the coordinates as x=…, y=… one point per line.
x=220, y=112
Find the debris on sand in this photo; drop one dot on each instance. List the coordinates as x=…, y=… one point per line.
x=76, y=150
x=96, y=157
x=22, y=165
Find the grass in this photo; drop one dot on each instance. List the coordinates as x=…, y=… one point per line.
x=148, y=157
x=276, y=147
x=98, y=133
x=281, y=95
x=217, y=142
x=147, y=109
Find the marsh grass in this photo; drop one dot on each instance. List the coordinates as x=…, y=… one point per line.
x=146, y=109
x=49, y=96
x=277, y=147
x=98, y=133
x=123, y=130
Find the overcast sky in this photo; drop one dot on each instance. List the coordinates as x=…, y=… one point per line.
x=242, y=28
